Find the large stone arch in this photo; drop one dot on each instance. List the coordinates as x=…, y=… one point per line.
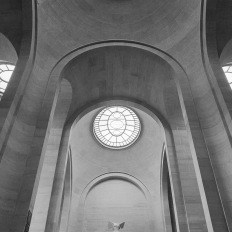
x=190, y=133
x=177, y=192
x=109, y=176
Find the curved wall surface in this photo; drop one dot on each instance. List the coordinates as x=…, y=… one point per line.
x=142, y=160
x=119, y=72
x=149, y=21
x=124, y=72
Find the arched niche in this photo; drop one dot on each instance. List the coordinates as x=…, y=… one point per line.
x=77, y=213
x=90, y=160
x=116, y=199
x=118, y=180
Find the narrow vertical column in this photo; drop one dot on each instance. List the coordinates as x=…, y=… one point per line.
x=190, y=188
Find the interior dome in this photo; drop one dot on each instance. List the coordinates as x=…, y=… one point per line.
x=118, y=19
x=119, y=11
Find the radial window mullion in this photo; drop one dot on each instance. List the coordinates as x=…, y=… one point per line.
x=6, y=70
x=121, y=123
x=228, y=73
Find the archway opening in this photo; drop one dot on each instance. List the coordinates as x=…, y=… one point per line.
x=117, y=201
x=90, y=75
x=141, y=160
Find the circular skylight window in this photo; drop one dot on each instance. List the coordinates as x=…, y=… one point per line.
x=116, y=127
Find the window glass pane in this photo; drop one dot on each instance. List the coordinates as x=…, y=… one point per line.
x=5, y=76
x=3, y=85
x=6, y=71
x=116, y=127
x=230, y=69
x=3, y=67
x=225, y=68
x=229, y=77
x=228, y=72
x=11, y=67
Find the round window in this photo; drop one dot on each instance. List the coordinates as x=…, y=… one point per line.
x=116, y=127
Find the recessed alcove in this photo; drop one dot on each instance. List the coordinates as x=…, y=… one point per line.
x=147, y=86
x=116, y=198
x=118, y=201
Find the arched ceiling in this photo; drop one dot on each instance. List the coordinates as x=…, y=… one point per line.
x=122, y=12
x=11, y=22
x=124, y=72
x=78, y=22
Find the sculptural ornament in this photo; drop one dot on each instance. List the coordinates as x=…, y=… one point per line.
x=115, y=226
